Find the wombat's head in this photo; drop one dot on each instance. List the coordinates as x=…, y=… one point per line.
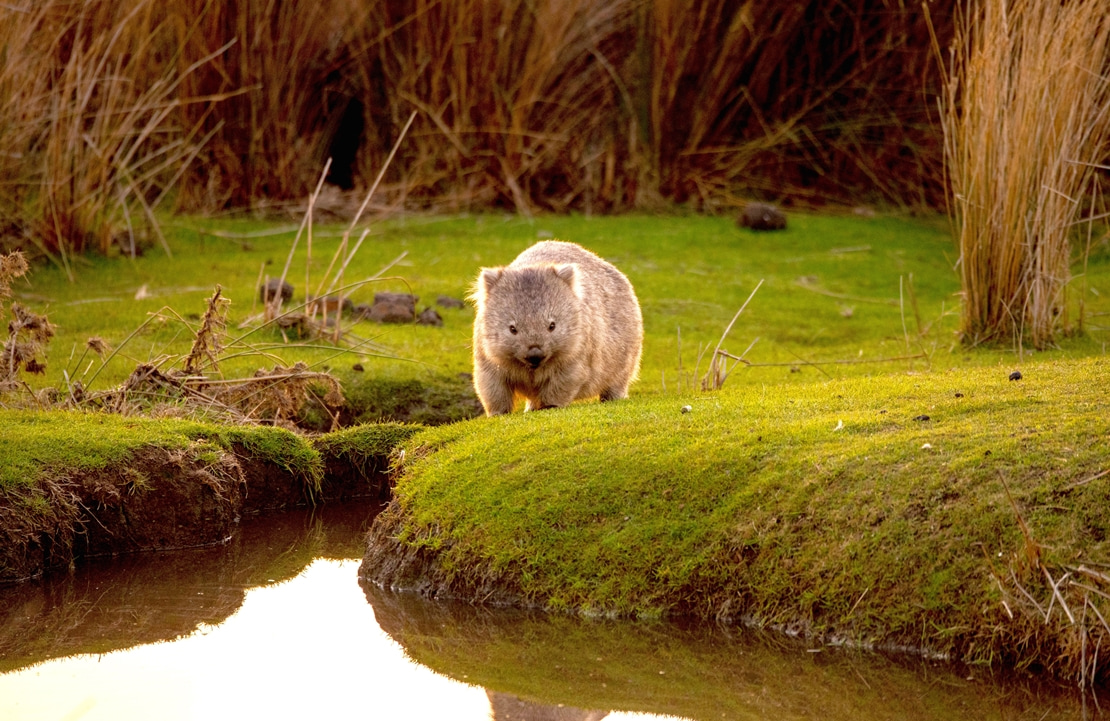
x=528, y=314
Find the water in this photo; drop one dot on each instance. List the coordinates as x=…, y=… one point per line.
x=275, y=626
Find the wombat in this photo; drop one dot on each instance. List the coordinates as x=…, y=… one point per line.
x=556, y=325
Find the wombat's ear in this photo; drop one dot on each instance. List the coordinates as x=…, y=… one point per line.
x=566, y=272
x=489, y=277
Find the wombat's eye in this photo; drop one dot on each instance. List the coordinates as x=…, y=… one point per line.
x=512, y=329
x=551, y=327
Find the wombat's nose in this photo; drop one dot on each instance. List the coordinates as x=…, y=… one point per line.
x=534, y=356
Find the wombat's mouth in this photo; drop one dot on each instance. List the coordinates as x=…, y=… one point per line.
x=534, y=357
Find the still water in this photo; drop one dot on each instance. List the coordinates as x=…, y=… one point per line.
x=275, y=626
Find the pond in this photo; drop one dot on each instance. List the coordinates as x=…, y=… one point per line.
x=274, y=625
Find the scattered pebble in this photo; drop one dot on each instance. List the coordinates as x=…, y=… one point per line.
x=921, y=417
x=926, y=446
x=686, y=409
x=959, y=395
x=357, y=367
x=762, y=216
x=430, y=317
x=1015, y=376
x=446, y=301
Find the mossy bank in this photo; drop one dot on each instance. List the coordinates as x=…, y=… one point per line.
x=74, y=485
x=960, y=513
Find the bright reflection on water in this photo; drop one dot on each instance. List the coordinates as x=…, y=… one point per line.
x=306, y=648
x=250, y=631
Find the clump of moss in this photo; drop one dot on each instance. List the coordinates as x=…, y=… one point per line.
x=430, y=401
x=358, y=460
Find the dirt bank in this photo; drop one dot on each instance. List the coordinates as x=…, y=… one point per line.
x=168, y=496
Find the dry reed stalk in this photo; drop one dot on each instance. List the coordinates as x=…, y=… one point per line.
x=719, y=369
x=1026, y=115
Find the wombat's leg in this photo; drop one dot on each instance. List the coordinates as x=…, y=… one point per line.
x=496, y=396
x=555, y=394
x=614, y=394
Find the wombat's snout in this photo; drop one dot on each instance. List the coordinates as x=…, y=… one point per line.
x=534, y=356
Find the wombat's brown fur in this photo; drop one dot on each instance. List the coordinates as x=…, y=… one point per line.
x=556, y=325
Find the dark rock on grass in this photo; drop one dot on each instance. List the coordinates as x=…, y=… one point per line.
x=430, y=317
x=446, y=301
x=391, y=308
x=272, y=287
x=762, y=216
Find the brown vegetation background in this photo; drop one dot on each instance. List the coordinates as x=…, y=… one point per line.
x=114, y=108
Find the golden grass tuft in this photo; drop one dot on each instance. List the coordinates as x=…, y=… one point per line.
x=1026, y=117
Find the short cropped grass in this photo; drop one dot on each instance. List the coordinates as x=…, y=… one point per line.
x=865, y=510
x=36, y=446
x=842, y=296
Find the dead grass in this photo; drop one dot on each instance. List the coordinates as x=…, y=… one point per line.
x=111, y=110
x=1026, y=115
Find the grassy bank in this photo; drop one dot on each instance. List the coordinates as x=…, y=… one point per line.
x=74, y=485
x=924, y=511
x=853, y=482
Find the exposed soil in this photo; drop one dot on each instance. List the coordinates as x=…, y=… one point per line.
x=389, y=563
x=161, y=499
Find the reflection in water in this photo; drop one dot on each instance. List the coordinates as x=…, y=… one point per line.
x=700, y=671
x=254, y=633
x=143, y=598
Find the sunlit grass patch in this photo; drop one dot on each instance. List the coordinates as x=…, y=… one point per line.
x=874, y=510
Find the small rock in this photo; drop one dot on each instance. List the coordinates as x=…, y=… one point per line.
x=271, y=287
x=959, y=395
x=430, y=317
x=762, y=216
x=357, y=367
x=393, y=308
x=1015, y=376
x=446, y=301
x=921, y=417
x=686, y=409
x=333, y=304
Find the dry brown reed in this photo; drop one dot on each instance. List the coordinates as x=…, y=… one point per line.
x=90, y=133
x=109, y=108
x=719, y=368
x=1026, y=115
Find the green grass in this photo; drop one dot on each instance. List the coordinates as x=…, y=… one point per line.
x=753, y=505
x=691, y=275
x=829, y=508
x=38, y=446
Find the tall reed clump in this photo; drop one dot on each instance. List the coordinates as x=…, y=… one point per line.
x=298, y=68
x=1026, y=116
x=110, y=108
x=569, y=104
x=90, y=136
